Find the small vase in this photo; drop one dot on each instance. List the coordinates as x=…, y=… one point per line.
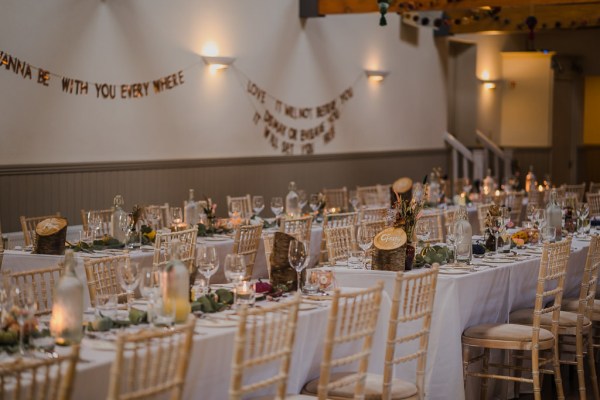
x=410, y=257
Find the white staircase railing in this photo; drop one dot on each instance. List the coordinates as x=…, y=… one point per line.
x=498, y=155
x=459, y=150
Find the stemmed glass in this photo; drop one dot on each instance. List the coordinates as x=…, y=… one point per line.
x=540, y=217
x=235, y=271
x=498, y=229
x=258, y=204
x=467, y=187
x=153, y=215
x=176, y=215
x=302, y=199
x=354, y=200
x=128, y=275
x=148, y=282
x=451, y=240
x=530, y=210
x=296, y=257
x=94, y=222
x=364, y=238
x=423, y=229
x=548, y=234
x=207, y=263
x=313, y=202
x=583, y=211
x=24, y=299
x=277, y=206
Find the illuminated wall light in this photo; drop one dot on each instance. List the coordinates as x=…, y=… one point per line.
x=376, y=76
x=486, y=81
x=489, y=85
x=218, y=63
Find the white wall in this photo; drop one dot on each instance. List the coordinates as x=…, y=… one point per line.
x=127, y=41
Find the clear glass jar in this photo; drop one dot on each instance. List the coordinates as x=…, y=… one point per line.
x=175, y=285
x=463, y=233
x=118, y=220
x=67, y=307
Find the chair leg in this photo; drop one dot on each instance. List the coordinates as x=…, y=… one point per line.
x=518, y=363
x=535, y=374
x=560, y=395
x=484, y=382
x=592, y=364
x=465, y=350
x=579, y=359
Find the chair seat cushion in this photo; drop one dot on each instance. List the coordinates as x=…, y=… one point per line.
x=573, y=304
x=525, y=317
x=513, y=332
x=373, y=388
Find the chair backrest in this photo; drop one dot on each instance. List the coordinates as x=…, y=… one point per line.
x=151, y=362
x=482, y=211
x=43, y=282
x=264, y=336
x=373, y=214
x=163, y=212
x=593, y=200
x=53, y=377
x=589, y=281
x=578, y=189
x=368, y=195
x=550, y=285
x=332, y=221
x=162, y=247
x=336, y=198
x=412, y=301
x=436, y=234
x=374, y=227
x=101, y=275
x=246, y=242
x=514, y=201
x=300, y=228
x=105, y=217
x=535, y=197
x=340, y=240
x=268, y=240
x=28, y=225
x=245, y=204
x=594, y=187
x=352, y=320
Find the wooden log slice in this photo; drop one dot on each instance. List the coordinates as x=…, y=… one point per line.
x=50, y=236
x=389, y=250
x=403, y=188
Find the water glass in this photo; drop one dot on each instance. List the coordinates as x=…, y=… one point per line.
x=277, y=206
x=548, y=234
x=354, y=200
x=302, y=199
x=207, y=263
x=364, y=238
x=87, y=238
x=540, y=217
x=106, y=305
x=355, y=259
x=176, y=215
x=94, y=221
x=313, y=202
x=311, y=286
x=128, y=275
x=25, y=301
x=296, y=258
x=163, y=315
x=234, y=268
x=148, y=282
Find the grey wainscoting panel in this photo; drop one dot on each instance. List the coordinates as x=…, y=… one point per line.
x=68, y=188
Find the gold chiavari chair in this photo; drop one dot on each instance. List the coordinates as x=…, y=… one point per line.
x=514, y=201
x=533, y=339
x=578, y=189
x=336, y=199
x=164, y=213
x=43, y=282
x=151, y=362
x=332, y=221
x=594, y=187
x=576, y=319
x=368, y=195
x=482, y=211
x=593, y=200
x=352, y=320
x=104, y=216
x=373, y=214
x=39, y=378
x=436, y=234
x=300, y=228
x=101, y=276
x=384, y=194
x=340, y=240
x=187, y=249
x=246, y=242
x=264, y=336
x=28, y=225
x=244, y=204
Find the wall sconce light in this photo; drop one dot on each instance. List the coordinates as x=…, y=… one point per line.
x=488, y=83
x=218, y=63
x=376, y=76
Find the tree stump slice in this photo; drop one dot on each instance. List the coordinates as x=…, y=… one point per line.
x=389, y=250
x=50, y=236
x=281, y=271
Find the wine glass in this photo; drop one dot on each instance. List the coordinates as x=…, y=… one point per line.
x=313, y=202
x=498, y=229
x=548, y=234
x=467, y=186
x=24, y=299
x=176, y=215
x=277, y=206
x=235, y=209
x=505, y=214
x=423, y=230
x=302, y=199
x=94, y=222
x=451, y=240
x=207, y=263
x=148, y=282
x=364, y=238
x=583, y=211
x=235, y=268
x=296, y=258
x=153, y=215
x=530, y=210
x=354, y=200
x=540, y=217
x=258, y=204
x=128, y=275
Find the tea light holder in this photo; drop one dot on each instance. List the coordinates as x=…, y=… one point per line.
x=245, y=293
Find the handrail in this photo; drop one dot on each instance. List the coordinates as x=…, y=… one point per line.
x=462, y=149
x=487, y=142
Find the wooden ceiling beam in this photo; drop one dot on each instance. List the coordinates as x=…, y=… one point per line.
x=327, y=7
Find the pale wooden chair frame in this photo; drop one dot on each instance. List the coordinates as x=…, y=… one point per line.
x=300, y=228
x=353, y=318
x=594, y=187
x=373, y=214
x=101, y=275
x=514, y=201
x=368, y=195
x=264, y=335
x=246, y=242
x=578, y=189
x=151, y=362
x=553, y=268
x=331, y=221
x=105, y=217
x=165, y=214
x=43, y=281
x=593, y=200
x=162, y=247
x=482, y=210
x=340, y=240
x=336, y=198
x=437, y=233
x=28, y=225
x=245, y=203
x=36, y=378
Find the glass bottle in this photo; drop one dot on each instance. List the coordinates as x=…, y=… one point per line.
x=175, y=285
x=463, y=236
x=489, y=185
x=292, y=202
x=433, y=194
x=67, y=307
x=190, y=212
x=530, y=182
x=554, y=214
x=117, y=219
